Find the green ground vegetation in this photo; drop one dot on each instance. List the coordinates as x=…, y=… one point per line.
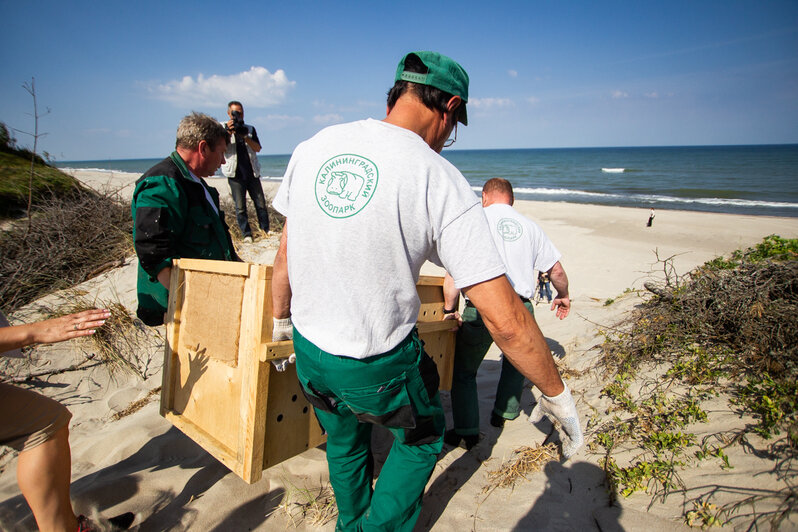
x=728, y=329
x=15, y=178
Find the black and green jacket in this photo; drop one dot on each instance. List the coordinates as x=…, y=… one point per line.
x=173, y=219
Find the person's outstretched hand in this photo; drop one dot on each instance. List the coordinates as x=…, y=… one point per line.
x=561, y=408
x=561, y=306
x=53, y=330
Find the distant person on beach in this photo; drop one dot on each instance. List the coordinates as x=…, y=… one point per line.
x=524, y=249
x=650, y=219
x=368, y=203
x=544, y=286
x=242, y=170
x=38, y=427
x=177, y=215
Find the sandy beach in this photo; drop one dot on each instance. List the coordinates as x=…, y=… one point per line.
x=140, y=463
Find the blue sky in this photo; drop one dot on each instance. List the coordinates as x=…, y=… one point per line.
x=118, y=76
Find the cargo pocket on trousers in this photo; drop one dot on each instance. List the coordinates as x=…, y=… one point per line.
x=386, y=404
x=425, y=430
x=317, y=399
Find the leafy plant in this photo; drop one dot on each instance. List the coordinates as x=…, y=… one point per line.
x=774, y=403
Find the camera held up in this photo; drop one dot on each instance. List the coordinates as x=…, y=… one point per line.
x=238, y=124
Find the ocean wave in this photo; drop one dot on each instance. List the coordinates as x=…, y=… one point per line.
x=650, y=198
x=82, y=169
x=613, y=170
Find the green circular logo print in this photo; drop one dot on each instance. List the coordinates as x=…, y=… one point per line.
x=509, y=229
x=345, y=184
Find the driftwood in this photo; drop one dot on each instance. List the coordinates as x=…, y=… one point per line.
x=657, y=291
x=47, y=373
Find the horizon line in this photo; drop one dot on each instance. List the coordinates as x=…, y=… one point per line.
x=489, y=149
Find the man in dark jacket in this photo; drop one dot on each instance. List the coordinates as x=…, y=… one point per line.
x=177, y=215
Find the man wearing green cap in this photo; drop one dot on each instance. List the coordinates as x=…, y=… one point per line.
x=369, y=202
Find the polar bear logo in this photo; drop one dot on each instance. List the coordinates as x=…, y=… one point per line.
x=346, y=185
x=509, y=229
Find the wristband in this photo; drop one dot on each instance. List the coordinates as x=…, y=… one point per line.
x=447, y=311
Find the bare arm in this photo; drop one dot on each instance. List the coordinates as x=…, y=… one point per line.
x=164, y=276
x=451, y=299
x=281, y=288
x=252, y=144
x=516, y=333
x=53, y=330
x=562, y=303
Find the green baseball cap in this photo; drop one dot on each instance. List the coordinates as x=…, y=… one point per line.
x=443, y=73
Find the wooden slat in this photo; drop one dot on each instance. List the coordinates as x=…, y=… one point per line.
x=176, y=291
x=424, y=280
x=435, y=326
x=255, y=380
x=274, y=350
x=215, y=266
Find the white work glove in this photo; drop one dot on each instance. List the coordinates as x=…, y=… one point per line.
x=283, y=329
x=561, y=408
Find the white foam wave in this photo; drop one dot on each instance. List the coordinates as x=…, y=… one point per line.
x=651, y=198
x=82, y=169
x=613, y=170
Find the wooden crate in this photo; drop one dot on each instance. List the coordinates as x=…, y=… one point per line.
x=219, y=386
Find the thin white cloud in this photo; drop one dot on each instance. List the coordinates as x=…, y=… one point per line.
x=326, y=107
x=331, y=118
x=652, y=95
x=489, y=103
x=512, y=73
x=533, y=100
x=619, y=94
x=256, y=87
x=277, y=122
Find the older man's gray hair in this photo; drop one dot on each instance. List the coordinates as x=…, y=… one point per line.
x=196, y=127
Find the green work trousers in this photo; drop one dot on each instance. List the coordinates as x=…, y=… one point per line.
x=397, y=390
x=473, y=342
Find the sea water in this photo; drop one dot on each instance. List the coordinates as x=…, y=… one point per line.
x=758, y=180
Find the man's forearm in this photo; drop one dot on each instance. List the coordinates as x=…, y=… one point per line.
x=516, y=333
x=164, y=276
x=256, y=147
x=281, y=287
x=451, y=295
x=559, y=279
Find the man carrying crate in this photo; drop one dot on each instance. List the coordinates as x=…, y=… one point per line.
x=369, y=202
x=177, y=215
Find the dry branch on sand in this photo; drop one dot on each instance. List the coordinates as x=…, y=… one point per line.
x=70, y=238
x=525, y=461
x=135, y=406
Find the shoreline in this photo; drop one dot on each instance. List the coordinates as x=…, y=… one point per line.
x=550, y=192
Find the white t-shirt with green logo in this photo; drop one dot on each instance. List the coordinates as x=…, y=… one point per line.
x=523, y=245
x=367, y=203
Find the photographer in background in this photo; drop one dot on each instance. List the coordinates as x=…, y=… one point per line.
x=242, y=170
